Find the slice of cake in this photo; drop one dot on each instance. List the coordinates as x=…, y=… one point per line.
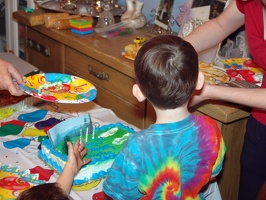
x=103, y=144
x=49, y=88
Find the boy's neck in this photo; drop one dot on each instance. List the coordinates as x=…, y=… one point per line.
x=171, y=115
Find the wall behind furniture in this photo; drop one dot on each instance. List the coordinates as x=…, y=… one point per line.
x=150, y=4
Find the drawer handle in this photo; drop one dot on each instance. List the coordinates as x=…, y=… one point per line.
x=101, y=75
x=38, y=47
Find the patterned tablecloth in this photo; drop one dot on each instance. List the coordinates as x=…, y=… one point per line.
x=19, y=143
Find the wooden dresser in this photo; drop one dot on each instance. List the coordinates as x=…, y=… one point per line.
x=100, y=61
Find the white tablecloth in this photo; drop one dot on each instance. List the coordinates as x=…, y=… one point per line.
x=26, y=158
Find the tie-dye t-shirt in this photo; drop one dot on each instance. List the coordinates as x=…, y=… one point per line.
x=167, y=161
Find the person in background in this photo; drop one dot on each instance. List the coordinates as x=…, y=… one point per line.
x=62, y=187
x=250, y=13
x=179, y=154
x=10, y=78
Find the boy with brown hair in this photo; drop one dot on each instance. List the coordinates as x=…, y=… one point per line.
x=179, y=154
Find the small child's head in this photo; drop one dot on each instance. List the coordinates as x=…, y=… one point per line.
x=44, y=192
x=166, y=69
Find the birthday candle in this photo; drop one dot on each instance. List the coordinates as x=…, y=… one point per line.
x=87, y=132
x=80, y=136
x=93, y=132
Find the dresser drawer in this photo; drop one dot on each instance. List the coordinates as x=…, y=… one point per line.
x=118, y=83
x=123, y=109
x=44, y=52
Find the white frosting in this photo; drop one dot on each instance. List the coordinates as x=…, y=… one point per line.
x=108, y=133
x=86, y=172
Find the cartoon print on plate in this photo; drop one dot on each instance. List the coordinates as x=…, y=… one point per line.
x=62, y=88
x=243, y=69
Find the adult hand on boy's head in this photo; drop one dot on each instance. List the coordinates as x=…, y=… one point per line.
x=8, y=74
x=75, y=156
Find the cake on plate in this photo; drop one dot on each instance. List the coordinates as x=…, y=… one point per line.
x=103, y=144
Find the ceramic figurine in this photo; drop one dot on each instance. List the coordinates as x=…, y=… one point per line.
x=106, y=18
x=133, y=17
x=130, y=10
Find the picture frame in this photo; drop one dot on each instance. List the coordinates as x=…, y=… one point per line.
x=71, y=127
x=198, y=12
x=164, y=13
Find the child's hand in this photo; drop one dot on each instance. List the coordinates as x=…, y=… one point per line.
x=75, y=156
x=73, y=165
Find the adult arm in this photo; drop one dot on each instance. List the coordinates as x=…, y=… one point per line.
x=251, y=97
x=10, y=78
x=262, y=192
x=74, y=163
x=216, y=30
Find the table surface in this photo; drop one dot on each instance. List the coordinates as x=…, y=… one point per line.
x=22, y=66
x=21, y=151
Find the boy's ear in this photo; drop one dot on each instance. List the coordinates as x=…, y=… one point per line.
x=137, y=93
x=201, y=80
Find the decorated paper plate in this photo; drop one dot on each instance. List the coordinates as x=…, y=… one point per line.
x=213, y=74
x=130, y=51
x=127, y=56
x=62, y=88
x=243, y=69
